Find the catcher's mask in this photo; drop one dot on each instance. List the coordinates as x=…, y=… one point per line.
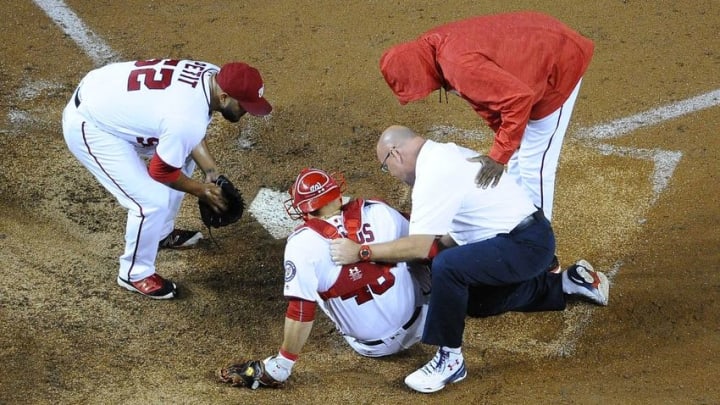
x=312, y=190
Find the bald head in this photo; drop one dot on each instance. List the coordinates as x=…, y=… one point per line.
x=397, y=149
x=396, y=135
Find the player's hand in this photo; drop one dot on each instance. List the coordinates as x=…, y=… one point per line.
x=344, y=251
x=490, y=172
x=213, y=196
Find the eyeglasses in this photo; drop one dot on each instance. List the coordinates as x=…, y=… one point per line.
x=383, y=165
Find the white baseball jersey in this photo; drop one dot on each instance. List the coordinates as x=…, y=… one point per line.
x=375, y=307
x=161, y=102
x=467, y=212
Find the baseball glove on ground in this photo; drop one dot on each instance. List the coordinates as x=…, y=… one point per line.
x=249, y=373
x=235, y=206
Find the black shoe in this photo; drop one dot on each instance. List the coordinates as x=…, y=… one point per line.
x=180, y=239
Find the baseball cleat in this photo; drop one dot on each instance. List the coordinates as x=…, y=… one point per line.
x=581, y=279
x=180, y=239
x=153, y=286
x=445, y=368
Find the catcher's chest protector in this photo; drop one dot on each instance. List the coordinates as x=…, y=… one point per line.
x=369, y=273
x=352, y=220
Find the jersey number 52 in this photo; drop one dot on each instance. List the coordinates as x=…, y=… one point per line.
x=152, y=78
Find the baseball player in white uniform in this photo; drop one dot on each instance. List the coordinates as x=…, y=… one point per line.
x=379, y=308
x=139, y=127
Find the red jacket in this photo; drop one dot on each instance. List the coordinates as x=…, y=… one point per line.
x=510, y=67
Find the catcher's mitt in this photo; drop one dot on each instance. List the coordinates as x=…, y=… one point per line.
x=249, y=373
x=235, y=206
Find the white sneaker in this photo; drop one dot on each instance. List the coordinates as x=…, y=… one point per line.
x=445, y=368
x=581, y=279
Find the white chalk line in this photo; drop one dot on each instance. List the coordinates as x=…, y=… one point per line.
x=268, y=205
x=94, y=46
x=664, y=161
x=623, y=126
x=664, y=164
x=576, y=318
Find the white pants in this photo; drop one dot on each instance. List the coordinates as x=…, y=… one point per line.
x=402, y=338
x=398, y=341
x=535, y=163
x=122, y=170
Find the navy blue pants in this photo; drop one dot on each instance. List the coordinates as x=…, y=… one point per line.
x=490, y=277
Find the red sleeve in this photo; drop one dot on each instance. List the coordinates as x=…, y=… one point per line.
x=501, y=99
x=161, y=171
x=301, y=310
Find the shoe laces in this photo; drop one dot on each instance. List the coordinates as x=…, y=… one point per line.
x=437, y=364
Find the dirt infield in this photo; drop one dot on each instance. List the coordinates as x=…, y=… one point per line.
x=637, y=199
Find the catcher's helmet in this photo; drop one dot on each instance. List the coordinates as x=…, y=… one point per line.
x=312, y=190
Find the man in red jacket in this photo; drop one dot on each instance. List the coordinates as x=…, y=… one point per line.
x=520, y=71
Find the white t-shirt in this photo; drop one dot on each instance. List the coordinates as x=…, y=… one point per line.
x=374, y=312
x=445, y=198
x=162, y=104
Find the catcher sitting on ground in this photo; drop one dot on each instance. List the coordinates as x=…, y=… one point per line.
x=379, y=308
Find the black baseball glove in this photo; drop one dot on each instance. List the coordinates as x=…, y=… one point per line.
x=235, y=206
x=248, y=373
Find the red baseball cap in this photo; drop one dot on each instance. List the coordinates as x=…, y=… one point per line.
x=243, y=83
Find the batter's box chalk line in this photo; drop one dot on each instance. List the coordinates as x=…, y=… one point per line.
x=576, y=319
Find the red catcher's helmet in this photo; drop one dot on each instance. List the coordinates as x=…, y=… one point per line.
x=312, y=190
